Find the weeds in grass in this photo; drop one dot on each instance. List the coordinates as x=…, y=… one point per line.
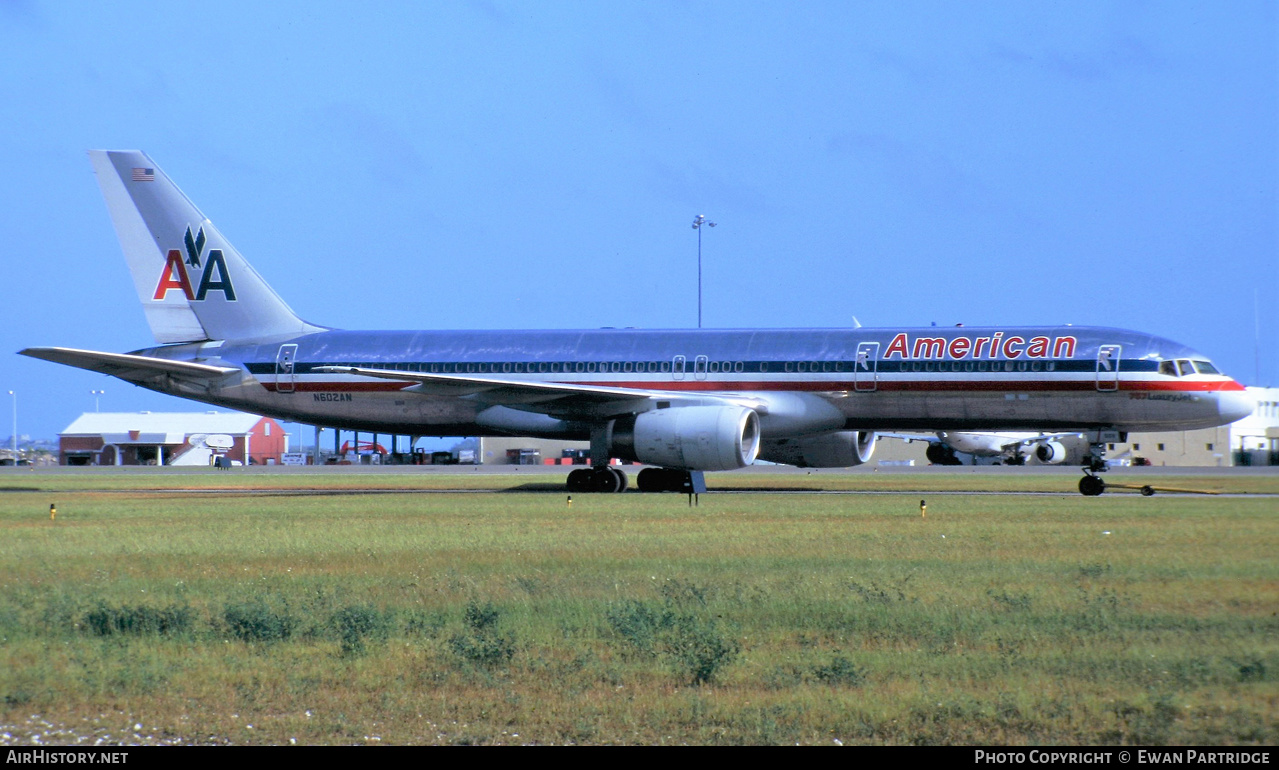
x=838, y=672
x=884, y=595
x=256, y=621
x=105, y=620
x=689, y=639
x=1010, y=602
x=483, y=644
x=355, y=624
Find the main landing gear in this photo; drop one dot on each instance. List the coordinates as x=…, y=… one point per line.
x=601, y=479
x=606, y=478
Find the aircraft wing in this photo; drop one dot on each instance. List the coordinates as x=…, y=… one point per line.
x=980, y=442
x=133, y=368
x=931, y=438
x=555, y=398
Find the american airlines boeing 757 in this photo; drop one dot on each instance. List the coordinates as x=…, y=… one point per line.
x=681, y=401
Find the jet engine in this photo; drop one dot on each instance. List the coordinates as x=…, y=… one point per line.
x=695, y=438
x=1050, y=452
x=940, y=454
x=833, y=450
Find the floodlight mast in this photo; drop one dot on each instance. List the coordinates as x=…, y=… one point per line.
x=698, y=221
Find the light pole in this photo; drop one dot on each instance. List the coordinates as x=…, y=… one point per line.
x=96, y=395
x=697, y=225
x=15, y=428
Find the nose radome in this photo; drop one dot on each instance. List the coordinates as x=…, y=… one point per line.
x=1235, y=405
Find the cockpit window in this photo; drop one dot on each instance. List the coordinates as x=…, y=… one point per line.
x=1168, y=367
x=1184, y=367
x=1205, y=368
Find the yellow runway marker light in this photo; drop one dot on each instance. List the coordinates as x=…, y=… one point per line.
x=923, y=509
x=53, y=511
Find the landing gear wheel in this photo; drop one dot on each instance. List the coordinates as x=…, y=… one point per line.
x=663, y=480
x=606, y=480
x=649, y=480
x=579, y=480
x=1091, y=486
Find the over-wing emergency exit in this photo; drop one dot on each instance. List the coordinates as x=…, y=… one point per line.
x=681, y=401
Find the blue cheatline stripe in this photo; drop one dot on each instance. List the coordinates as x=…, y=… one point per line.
x=991, y=366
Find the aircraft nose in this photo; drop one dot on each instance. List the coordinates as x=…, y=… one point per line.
x=1235, y=405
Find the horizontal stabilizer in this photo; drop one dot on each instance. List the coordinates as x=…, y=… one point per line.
x=131, y=367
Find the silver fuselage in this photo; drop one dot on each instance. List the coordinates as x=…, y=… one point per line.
x=955, y=378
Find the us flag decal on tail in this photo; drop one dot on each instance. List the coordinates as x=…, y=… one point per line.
x=144, y=175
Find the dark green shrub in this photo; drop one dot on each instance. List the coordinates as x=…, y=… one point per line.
x=255, y=621
x=639, y=624
x=840, y=671
x=690, y=640
x=355, y=623
x=105, y=620
x=697, y=647
x=483, y=644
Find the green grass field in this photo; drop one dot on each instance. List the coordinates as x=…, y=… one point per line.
x=157, y=609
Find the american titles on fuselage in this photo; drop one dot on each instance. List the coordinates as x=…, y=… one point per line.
x=993, y=346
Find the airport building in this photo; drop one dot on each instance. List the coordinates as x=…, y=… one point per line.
x=171, y=438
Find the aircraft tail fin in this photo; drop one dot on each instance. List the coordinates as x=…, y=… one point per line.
x=192, y=282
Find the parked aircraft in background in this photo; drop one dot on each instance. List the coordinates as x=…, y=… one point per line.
x=683, y=401
x=953, y=447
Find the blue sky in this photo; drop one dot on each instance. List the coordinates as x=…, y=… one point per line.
x=538, y=164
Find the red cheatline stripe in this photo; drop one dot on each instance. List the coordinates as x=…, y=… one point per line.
x=988, y=386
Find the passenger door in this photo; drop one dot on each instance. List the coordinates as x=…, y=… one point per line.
x=1108, y=367
x=284, y=365
x=866, y=367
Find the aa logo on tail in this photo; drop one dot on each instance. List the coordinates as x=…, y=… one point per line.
x=214, y=275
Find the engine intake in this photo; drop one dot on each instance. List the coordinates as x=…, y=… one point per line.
x=1051, y=452
x=695, y=438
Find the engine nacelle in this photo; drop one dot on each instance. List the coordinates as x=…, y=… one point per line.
x=833, y=450
x=940, y=454
x=1050, y=452
x=695, y=438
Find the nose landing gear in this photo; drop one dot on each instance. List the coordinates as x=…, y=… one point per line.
x=1094, y=463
